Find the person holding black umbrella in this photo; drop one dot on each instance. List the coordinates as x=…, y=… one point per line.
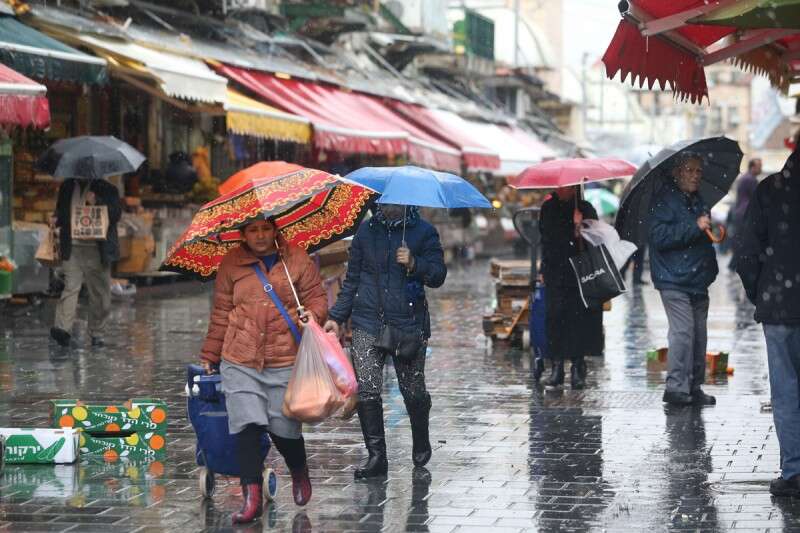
x=682, y=266
x=85, y=261
x=87, y=211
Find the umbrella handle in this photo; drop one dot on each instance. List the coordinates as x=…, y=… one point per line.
x=717, y=239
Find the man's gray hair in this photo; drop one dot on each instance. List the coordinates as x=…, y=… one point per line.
x=685, y=157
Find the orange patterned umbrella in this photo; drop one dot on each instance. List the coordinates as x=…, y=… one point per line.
x=312, y=209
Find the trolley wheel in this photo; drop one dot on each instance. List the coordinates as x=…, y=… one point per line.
x=207, y=482
x=526, y=339
x=270, y=484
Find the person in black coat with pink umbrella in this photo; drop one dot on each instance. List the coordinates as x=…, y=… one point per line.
x=573, y=331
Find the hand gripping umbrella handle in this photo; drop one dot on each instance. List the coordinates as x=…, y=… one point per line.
x=714, y=238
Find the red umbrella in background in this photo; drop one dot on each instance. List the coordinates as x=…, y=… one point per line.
x=257, y=172
x=312, y=209
x=566, y=172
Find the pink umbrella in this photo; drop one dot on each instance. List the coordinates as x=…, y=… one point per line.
x=566, y=172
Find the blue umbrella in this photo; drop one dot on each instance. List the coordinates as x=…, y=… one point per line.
x=409, y=185
x=421, y=187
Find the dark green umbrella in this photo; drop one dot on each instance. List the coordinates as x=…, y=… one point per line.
x=90, y=158
x=755, y=14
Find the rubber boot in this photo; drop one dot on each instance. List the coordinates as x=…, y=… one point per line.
x=252, y=505
x=301, y=486
x=578, y=374
x=538, y=369
x=419, y=415
x=556, y=378
x=370, y=415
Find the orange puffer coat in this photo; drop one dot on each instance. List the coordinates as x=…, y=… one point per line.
x=245, y=327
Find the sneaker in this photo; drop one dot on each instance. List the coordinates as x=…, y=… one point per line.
x=60, y=336
x=701, y=398
x=677, y=398
x=783, y=487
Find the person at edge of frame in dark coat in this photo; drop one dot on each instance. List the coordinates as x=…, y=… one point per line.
x=769, y=265
x=573, y=331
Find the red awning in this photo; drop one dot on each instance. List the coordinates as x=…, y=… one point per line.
x=657, y=42
x=652, y=59
x=349, y=122
x=476, y=156
x=22, y=100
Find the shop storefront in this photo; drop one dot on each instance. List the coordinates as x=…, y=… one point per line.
x=71, y=79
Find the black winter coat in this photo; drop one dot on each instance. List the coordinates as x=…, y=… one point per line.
x=372, y=267
x=769, y=247
x=107, y=195
x=558, y=239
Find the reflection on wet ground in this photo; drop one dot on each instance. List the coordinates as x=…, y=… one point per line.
x=507, y=456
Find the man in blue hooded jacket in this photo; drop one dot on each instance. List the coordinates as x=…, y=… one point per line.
x=682, y=266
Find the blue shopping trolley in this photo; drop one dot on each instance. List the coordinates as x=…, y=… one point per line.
x=536, y=323
x=216, y=447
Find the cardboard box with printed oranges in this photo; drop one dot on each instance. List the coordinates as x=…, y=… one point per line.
x=134, y=416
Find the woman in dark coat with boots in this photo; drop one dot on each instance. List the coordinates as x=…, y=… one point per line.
x=573, y=331
x=386, y=276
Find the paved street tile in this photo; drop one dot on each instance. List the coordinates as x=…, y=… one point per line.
x=508, y=456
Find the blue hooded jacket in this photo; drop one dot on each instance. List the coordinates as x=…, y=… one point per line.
x=372, y=267
x=682, y=257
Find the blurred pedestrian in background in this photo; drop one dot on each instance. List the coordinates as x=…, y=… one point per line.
x=85, y=261
x=745, y=189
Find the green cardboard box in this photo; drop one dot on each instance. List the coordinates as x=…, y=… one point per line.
x=138, y=415
x=150, y=445
x=27, y=445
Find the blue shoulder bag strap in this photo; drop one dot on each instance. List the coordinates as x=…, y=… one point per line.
x=267, y=286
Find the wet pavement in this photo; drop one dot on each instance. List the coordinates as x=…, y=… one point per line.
x=507, y=456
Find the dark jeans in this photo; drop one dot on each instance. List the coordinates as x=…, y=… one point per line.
x=783, y=357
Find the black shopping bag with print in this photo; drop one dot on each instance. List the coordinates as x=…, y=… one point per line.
x=598, y=277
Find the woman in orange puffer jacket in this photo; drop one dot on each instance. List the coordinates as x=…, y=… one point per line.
x=256, y=347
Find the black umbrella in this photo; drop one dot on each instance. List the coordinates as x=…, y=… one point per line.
x=89, y=157
x=722, y=158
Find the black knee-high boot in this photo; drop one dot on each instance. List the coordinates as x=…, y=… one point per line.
x=556, y=378
x=578, y=373
x=419, y=415
x=370, y=415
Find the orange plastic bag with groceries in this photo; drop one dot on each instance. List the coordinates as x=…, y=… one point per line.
x=338, y=362
x=312, y=394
